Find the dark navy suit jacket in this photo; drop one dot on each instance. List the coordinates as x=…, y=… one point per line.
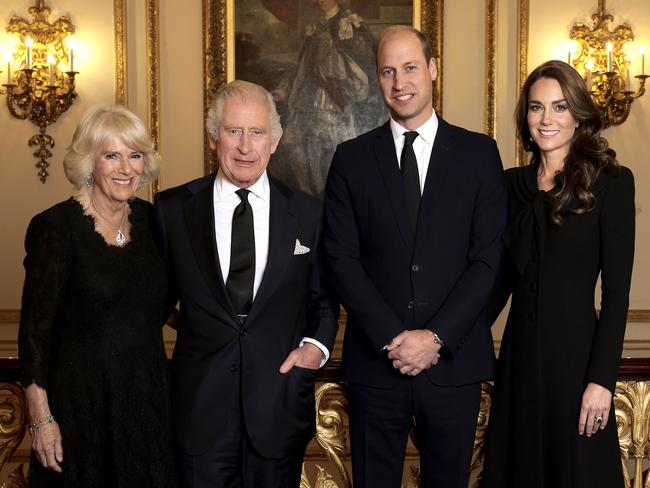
x=213, y=351
x=441, y=276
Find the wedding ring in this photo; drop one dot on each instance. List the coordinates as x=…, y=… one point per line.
x=599, y=420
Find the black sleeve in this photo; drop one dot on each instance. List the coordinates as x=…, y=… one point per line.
x=47, y=267
x=616, y=257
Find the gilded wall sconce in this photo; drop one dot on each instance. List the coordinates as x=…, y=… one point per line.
x=40, y=76
x=602, y=62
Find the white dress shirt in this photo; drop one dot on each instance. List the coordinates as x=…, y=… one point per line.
x=225, y=200
x=422, y=145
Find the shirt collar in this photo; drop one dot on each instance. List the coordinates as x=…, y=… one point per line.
x=427, y=131
x=224, y=188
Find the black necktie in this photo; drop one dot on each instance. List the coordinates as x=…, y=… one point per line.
x=409, y=167
x=242, y=257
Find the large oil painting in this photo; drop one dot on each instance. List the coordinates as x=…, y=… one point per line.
x=317, y=59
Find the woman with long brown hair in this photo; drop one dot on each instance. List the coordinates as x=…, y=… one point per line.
x=571, y=219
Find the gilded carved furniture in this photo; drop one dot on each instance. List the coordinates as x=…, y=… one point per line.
x=327, y=463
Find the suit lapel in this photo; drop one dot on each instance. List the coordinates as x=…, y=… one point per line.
x=441, y=159
x=282, y=240
x=389, y=168
x=199, y=218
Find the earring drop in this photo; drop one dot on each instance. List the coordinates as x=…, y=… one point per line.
x=89, y=180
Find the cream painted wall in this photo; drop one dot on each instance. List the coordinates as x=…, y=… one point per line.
x=181, y=125
x=463, y=61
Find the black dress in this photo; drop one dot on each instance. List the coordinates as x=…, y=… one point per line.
x=90, y=334
x=554, y=344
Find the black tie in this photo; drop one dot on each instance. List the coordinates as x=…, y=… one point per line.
x=242, y=257
x=409, y=166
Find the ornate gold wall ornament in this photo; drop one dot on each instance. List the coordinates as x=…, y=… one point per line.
x=603, y=64
x=40, y=90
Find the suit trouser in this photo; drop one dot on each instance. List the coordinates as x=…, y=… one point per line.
x=444, y=418
x=233, y=462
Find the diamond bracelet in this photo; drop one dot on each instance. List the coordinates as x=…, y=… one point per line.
x=40, y=423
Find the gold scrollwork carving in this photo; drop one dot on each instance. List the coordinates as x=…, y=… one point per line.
x=16, y=479
x=632, y=404
x=331, y=409
x=481, y=432
x=12, y=419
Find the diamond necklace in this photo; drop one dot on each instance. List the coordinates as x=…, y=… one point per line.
x=120, y=240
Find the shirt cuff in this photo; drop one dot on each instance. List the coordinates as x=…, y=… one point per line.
x=323, y=349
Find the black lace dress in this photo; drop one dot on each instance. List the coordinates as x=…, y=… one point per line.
x=90, y=334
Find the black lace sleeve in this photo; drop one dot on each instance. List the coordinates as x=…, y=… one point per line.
x=47, y=266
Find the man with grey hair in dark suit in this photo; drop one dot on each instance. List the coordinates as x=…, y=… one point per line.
x=243, y=254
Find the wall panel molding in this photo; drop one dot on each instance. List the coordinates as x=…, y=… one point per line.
x=491, y=22
x=153, y=79
x=522, y=64
x=121, y=67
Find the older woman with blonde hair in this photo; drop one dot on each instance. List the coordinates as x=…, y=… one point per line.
x=90, y=340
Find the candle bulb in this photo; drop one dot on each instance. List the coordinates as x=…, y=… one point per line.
x=609, y=56
x=590, y=68
x=8, y=60
x=50, y=62
x=642, y=50
x=70, y=55
x=29, y=43
x=569, y=58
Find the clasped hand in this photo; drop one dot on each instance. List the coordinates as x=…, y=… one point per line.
x=413, y=351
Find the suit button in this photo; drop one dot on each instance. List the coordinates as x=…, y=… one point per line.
x=532, y=316
x=242, y=332
x=533, y=286
x=234, y=368
x=409, y=305
x=415, y=267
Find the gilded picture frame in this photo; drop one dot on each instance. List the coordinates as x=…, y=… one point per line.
x=219, y=44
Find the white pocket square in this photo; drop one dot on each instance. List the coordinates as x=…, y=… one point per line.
x=300, y=249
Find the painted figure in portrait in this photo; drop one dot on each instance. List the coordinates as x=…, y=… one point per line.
x=317, y=58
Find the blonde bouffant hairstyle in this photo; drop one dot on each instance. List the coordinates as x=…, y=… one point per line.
x=98, y=125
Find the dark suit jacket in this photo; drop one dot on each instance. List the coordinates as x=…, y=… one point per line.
x=390, y=278
x=212, y=349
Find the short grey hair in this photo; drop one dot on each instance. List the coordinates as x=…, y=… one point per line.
x=244, y=90
x=99, y=124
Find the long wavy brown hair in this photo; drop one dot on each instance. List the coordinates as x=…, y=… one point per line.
x=589, y=153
